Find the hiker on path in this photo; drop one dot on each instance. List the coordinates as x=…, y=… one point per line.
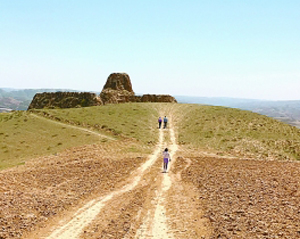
x=167, y=158
x=159, y=122
x=165, y=122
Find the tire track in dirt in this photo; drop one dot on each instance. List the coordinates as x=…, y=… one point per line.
x=155, y=224
x=160, y=228
x=88, y=213
x=74, y=127
x=184, y=210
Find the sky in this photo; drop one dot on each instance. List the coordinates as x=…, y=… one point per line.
x=213, y=48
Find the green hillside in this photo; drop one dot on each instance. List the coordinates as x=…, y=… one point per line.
x=25, y=135
x=225, y=131
x=131, y=120
x=236, y=132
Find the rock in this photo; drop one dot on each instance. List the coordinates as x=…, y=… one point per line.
x=158, y=98
x=64, y=100
x=117, y=89
x=109, y=96
x=119, y=82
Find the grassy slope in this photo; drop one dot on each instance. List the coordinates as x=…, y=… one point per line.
x=223, y=130
x=236, y=132
x=132, y=120
x=24, y=136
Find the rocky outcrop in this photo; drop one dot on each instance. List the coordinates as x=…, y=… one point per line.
x=115, y=96
x=117, y=89
x=118, y=82
x=158, y=98
x=64, y=100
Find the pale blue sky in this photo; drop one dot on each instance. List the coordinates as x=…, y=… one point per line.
x=237, y=48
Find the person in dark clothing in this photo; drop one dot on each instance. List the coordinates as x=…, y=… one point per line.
x=165, y=122
x=159, y=122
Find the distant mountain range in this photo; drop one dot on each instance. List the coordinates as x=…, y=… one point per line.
x=286, y=111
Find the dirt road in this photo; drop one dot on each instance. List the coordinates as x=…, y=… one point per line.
x=156, y=223
x=141, y=208
x=85, y=215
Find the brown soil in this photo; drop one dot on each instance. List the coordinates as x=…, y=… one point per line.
x=246, y=198
x=48, y=187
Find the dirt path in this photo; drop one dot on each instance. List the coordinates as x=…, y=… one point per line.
x=151, y=204
x=86, y=214
x=73, y=127
x=155, y=224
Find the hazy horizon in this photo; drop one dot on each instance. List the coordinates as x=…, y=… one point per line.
x=236, y=49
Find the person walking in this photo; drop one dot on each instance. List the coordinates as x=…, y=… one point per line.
x=159, y=122
x=167, y=158
x=165, y=122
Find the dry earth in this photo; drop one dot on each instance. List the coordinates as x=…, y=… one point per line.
x=246, y=198
x=96, y=192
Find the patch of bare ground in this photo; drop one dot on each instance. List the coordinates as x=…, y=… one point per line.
x=246, y=198
x=33, y=196
x=184, y=208
x=123, y=215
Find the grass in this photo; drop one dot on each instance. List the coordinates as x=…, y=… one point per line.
x=222, y=130
x=24, y=136
x=130, y=120
x=238, y=132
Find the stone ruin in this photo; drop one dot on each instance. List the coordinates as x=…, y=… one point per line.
x=118, y=89
x=64, y=100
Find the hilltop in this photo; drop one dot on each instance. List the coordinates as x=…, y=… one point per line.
x=233, y=173
x=285, y=111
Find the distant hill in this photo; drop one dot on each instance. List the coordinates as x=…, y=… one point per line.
x=285, y=111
